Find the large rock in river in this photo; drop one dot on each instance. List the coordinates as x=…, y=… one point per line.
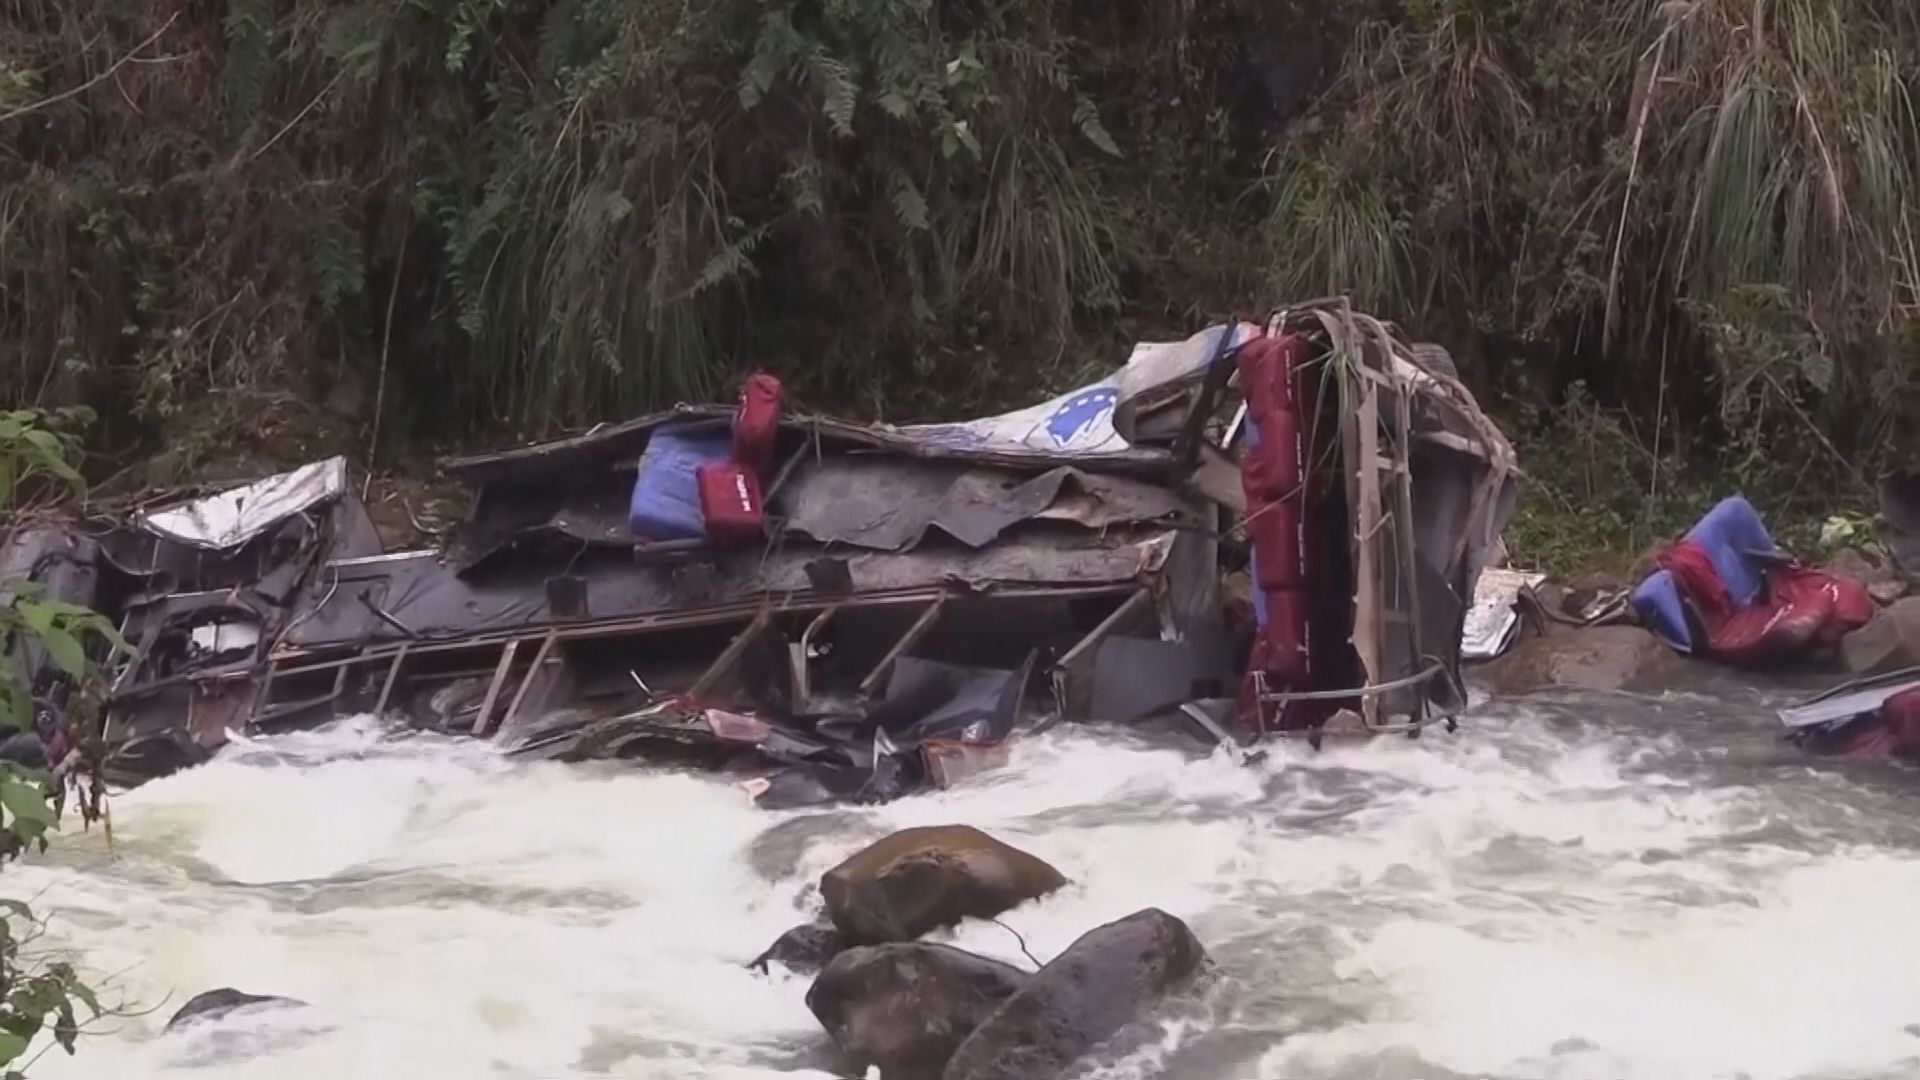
x=1888, y=643
x=1585, y=658
x=927, y=878
x=1101, y=983
x=803, y=949
x=215, y=1004
x=907, y=1007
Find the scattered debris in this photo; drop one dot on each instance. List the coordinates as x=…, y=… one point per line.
x=1494, y=620
x=225, y=521
x=1873, y=718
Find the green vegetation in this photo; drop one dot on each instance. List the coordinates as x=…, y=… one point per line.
x=37, y=993
x=384, y=223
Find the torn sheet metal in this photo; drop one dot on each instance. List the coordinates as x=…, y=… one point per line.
x=949, y=764
x=423, y=598
x=231, y=518
x=220, y=638
x=1095, y=420
x=1134, y=678
x=1217, y=479
x=1851, y=701
x=976, y=706
x=1095, y=423
x=1494, y=618
x=890, y=505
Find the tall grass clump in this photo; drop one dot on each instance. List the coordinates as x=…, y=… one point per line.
x=1702, y=210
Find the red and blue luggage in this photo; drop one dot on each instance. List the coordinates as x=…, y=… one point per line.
x=756, y=424
x=666, y=494
x=703, y=482
x=730, y=501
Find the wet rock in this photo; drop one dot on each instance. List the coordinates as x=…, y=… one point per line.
x=1102, y=982
x=150, y=756
x=24, y=749
x=1880, y=577
x=907, y=1007
x=1889, y=642
x=1585, y=658
x=927, y=878
x=215, y=1004
x=803, y=949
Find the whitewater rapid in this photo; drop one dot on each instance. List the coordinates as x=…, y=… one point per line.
x=1600, y=887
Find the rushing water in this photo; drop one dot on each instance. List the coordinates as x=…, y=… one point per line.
x=1598, y=887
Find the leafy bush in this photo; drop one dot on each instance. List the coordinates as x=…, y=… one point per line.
x=37, y=464
x=458, y=217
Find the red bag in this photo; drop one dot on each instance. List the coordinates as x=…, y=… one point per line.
x=730, y=502
x=756, y=426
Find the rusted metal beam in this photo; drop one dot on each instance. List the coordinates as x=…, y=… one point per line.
x=1404, y=528
x=731, y=654
x=781, y=603
x=393, y=673
x=1139, y=600
x=265, y=699
x=1186, y=448
x=535, y=672
x=797, y=659
x=481, y=728
x=908, y=640
x=1068, y=677
x=1364, y=462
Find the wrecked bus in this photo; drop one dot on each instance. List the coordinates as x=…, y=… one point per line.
x=1270, y=529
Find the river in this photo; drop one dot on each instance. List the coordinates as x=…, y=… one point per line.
x=1569, y=887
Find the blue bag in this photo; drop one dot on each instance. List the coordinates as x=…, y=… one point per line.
x=666, y=494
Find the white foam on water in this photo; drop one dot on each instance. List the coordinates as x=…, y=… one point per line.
x=1810, y=980
x=1560, y=912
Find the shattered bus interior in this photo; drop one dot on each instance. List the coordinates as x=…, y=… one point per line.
x=1269, y=529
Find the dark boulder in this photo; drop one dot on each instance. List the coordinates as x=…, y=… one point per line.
x=908, y=1007
x=803, y=949
x=154, y=755
x=24, y=749
x=924, y=879
x=215, y=1004
x=1102, y=982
